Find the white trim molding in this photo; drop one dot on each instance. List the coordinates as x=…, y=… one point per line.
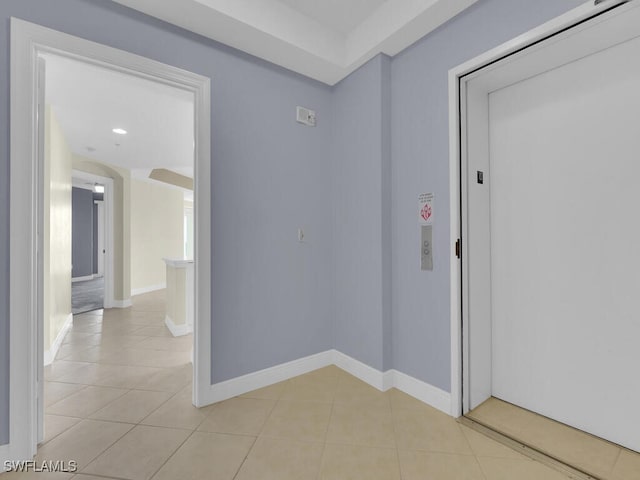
x=50, y=355
x=82, y=279
x=177, y=330
x=126, y=303
x=28, y=42
x=382, y=381
x=295, y=41
x=149, y=289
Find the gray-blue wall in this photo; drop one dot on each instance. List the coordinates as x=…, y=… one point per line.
x=81, y=232
x=272, y=296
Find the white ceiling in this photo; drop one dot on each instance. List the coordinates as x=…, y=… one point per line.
x=90, y=101
x=339, y=15
x=322, y=39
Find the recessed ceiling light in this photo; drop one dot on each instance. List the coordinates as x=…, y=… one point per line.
x=119, y=131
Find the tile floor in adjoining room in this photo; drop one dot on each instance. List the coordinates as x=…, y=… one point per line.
x=118, y=401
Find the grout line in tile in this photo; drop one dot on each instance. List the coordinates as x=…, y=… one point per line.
x=324, y=444
x=108, y=447
x=66, y=416
x=530, y=452
x=255, y=440
x=395, y=438
x=482, y=472
x=172, y=454
x=101, y=476
x=88, y=415
x=324, y=448
x=59, y=433
x=159, y=407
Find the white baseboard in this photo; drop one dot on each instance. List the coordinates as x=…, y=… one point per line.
x=149, y=289
x=360, y=370
x=82, y=279
x=423, y=391
x=263, y=378
x=383, y=381
x=122, y=303
x=388, y=380
x=177, y=330
x=50, y=355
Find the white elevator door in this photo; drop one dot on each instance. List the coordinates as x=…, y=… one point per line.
x=565, y=243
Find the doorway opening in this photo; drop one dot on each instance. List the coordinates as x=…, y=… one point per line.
x=534, y=358
x=91, y=233
x=31, y=44
x=115, y=351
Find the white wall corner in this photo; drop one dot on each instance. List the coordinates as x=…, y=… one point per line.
x=50, y=355
x=149, y=289
x=364, y=372
x=383, y=381
x=388, y=380
x=122, y=303
x=177, y=330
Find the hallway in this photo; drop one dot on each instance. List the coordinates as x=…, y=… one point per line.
x=118, y=401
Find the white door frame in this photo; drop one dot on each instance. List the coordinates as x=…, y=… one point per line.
x=100, y=243
x=470, y=85
x=108, y=215
x=28, y=41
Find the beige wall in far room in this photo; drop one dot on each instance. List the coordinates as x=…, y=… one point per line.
x=189, y=238
x=57, y=230
x=157, y=231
